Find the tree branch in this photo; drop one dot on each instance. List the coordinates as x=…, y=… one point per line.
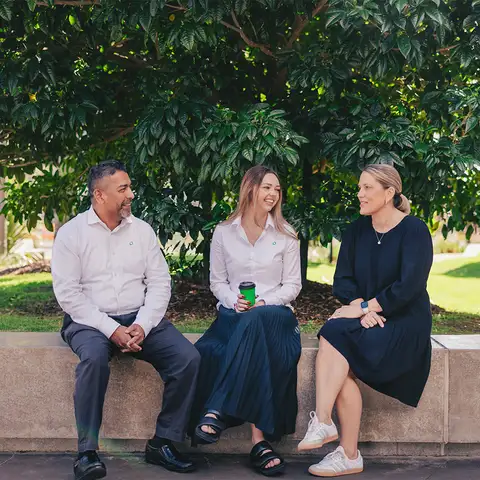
x=301, y=21
x=238, y=28
x=72, y=3
x=176, y=7
x=447, y=49
x=120, y=134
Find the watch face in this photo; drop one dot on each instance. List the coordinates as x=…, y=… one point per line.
x=364, y=305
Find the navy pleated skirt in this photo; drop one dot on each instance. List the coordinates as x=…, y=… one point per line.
x=248, y=370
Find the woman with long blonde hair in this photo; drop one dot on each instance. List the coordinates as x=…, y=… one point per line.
x=250, y=353
x=382, y=333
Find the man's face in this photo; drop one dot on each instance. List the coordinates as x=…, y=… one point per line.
x=115, y=194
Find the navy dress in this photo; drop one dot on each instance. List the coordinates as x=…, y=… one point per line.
x=394, y=360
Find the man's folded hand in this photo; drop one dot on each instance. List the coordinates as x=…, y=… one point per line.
x=137, y=335
x=121, y=338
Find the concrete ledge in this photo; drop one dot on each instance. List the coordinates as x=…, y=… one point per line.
x=36, y=405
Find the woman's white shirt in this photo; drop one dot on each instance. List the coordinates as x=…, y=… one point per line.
x=273, y=264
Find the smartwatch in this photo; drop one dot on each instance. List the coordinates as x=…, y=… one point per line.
x=364, y=307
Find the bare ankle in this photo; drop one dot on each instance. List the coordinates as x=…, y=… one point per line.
x=324, y=418
x=351, y=453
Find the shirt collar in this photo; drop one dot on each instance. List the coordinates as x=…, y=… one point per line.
x=93, y=218
x=269, y=223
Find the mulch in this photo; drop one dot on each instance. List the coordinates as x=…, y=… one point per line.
x=191, y=300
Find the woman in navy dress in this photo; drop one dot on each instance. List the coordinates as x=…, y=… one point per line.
x=382, y=333
x=250, y=353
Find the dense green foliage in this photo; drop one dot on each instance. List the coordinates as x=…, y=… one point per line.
x=190, y=94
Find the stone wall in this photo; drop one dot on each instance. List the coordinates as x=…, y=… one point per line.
x=36, y=405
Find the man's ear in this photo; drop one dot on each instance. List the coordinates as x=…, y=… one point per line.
x=99, y=196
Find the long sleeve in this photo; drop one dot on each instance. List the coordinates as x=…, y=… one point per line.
x=291, y=277
x=345, y=287
x=158, y=282
x=66, y=274
x=219, y=284
x=416, y=261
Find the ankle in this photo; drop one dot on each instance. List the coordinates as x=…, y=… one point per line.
x=351, y=453
x=257, y=439
x=324, y=418
x=85, y=453
x=157, y=441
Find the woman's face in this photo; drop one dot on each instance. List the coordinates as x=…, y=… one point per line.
x=268, y=194
x=373, y=197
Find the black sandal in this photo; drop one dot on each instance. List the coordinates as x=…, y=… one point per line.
x=260, y=458
x=218, y=424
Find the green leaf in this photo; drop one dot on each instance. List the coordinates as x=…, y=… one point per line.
x=248, y=154
x=356, y=110
x=251, y=133
x=334, y=16
x=291, y=155
x=421, y=147
x=400, y=4
x=471, y=123
x=188, y=39
x=434, y=14
x=5, y=11
x=201, y=144
x=145, y=21
x=153, y=7
x=404, y=45
x=32, y=4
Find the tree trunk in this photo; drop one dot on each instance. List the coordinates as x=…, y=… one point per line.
x=305, y=239
x=207, y=200
x=304, y=258
x=3, y=223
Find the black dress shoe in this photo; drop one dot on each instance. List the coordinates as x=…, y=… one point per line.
x=89, y=467
x=169, y=457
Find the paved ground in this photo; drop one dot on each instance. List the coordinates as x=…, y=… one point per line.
x=214, y=467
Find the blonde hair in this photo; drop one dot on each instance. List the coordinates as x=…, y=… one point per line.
x=249, y=187
x=388, y=177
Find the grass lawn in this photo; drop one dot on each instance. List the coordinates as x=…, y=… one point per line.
x=453, y=284
x=27, y=302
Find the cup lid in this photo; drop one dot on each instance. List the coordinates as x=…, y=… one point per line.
x=246, y=285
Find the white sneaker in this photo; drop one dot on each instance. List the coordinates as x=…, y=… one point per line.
x=336, y=464
x=318, y=434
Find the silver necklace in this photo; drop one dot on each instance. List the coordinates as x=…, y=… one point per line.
x=379, y=240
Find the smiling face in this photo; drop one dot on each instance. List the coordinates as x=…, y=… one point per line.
x=372, y=195
x=268, y=194
x=114, y=195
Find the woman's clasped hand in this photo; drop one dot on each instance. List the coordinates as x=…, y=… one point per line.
x=371, y=319
x=243, y=305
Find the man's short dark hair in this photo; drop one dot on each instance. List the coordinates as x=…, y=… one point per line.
x=102, y=170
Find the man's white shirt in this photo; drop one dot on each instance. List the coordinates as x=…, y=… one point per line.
x=99, y=272
x=273, y=263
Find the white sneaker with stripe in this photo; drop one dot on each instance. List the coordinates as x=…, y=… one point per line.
x=318, y=434
x=336, y=464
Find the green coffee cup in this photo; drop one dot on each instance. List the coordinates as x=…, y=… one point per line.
x=247, y=289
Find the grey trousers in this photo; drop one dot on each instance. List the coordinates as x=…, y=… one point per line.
x=173, y=356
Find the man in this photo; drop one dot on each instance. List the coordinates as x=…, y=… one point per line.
x=112, y=281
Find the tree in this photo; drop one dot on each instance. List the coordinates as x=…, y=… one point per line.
x=192, y=94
